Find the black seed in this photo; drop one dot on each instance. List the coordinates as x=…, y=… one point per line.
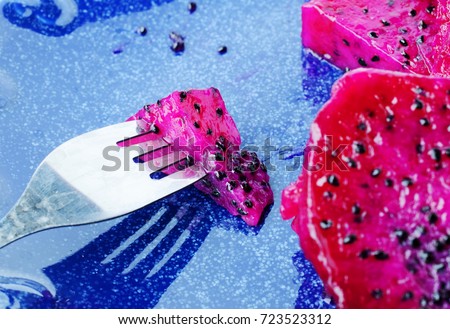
x=420, y=148
x=413, y=13
x=375, y=58
x=349, y=239
x=196, y=124
x=403, y=30
x=183, y=96
x=435, y=154
x=373, y=34
x=380, y=255
x=407, y=296
x=242, y=212
x=406, y=55
x=388, y=182
x=427, y=257
x=424, y=122
x=406, y=182
x=142, y=30
x=362, y=126
x=189, y=161
x=231, y=185
x=154, y=129
x=359, y=148
x=197, y=107
x=218, y=156
x=209, y=131
x=365, y=253
x=415, y=243
x=220, y=175
x=390, y=118
x=356, y=209
x=206, y=182
x=351, y=163
x=246, y=187
x=358, y=219
x=222, y=50
x=326, y=224
x=422, y=25
x=385, y=23
x=403, y=42
x=346, y=42
x=447, y=152
x=437, y=299
x=433, y=218
x=333, y=180
x=177, y=46
x=192, y=7
x=401, y=235
x=248, y=203
x=234, y=203
x=430, y=9
x=377, y=293
x=362, y=62
x=439, y=246
x=376, y=172
x=423, y=302
x=420, y=40
x=327, y=195
x=220, y=143
x=219, y=111
x=216, y=194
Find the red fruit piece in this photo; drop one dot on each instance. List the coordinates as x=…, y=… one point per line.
x=372, y=204
x=198, y=123
x=409, y=36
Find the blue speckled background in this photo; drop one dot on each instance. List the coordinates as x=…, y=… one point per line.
x=65, y=71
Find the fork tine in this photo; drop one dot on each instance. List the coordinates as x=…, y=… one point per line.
x=152, y=154
x=137, y=139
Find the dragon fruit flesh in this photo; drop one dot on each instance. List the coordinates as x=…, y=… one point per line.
x=371, y=206
x=198, y=123
x=399, y=35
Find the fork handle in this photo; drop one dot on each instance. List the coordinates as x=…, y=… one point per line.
x=48, y=201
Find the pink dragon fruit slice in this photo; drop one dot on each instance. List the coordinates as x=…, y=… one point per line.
x=197, y=122
x=372, y=204
x=409, y=36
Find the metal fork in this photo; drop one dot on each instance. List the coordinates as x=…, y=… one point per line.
x=74, y=185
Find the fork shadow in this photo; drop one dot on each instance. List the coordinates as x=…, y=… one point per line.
x=50, y=19
x=134, y=262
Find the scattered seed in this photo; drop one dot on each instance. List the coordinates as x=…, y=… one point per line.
x=375, y=58
x=142, y=30
x=356, y=209
x=406, y=182
x=380, y=255
x=222, y=50
x=364, y=254
x=403, y=42
x=326, y=224
x=362, y=62
x=422, y=25
x=349, y=239
x=415, y=243
x=376, y=172
x=219, y=111
x=388, y=182
x=435, y=154
x=407, y=296
x=196, y=124
x=377, y=293
x=433, y=218
x=373, y=34
x=216, y=193
x=333, y=180
x=424, y=122
x=346, y=42
x=420, y=39
x=197, y=107
x=192, y=7
x=413, y=13
x=401, y=235
x=385, y=23
x=359, y=148
x=248, y=203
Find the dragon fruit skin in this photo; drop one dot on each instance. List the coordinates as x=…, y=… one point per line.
x=371, y=205
x=408, y=36
x=198, y=123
